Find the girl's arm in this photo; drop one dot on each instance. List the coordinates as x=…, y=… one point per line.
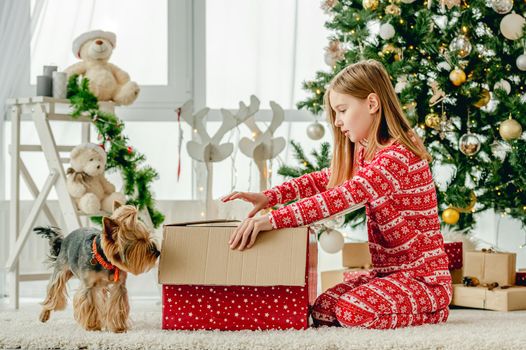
x=301, y=187
x=370, y=182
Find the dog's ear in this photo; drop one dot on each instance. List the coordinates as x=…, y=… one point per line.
x=109, y=228
x=116, y=205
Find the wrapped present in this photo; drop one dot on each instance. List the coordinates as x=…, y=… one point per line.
x=356, y=255
x=490, y=266
x=454, y=254
x=520, y=278
x=333, y=277
x=498, y=299
x=208, y=285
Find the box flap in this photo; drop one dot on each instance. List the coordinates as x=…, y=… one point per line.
x=206, y=223
x=201, y=255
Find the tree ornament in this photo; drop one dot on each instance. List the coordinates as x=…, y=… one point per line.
x=461, y=46
x=450, y=216
x=504, y=85
x=449, y=3
x=387, y=31
x=510, y=129
x=391, y=49
x=130, y=150
x=408, y=1
x=328, y=5
x=469, y=144
x=370, y=4
x=457, y=76
x=433, y=120
x=502, y=6
x=334, y=53
x=511, y=26
x=521, y=62
x=315, y=131
x=393, y=10
x=484, y=99
x=331, y=241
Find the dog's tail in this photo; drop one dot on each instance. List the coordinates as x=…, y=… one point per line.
x=55, y=240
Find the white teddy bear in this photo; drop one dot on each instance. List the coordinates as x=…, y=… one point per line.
x=106, y=81
x=86, y=182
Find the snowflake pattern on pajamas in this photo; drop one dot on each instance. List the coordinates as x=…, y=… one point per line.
x=410, y=283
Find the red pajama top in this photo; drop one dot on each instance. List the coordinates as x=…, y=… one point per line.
x=400, y=200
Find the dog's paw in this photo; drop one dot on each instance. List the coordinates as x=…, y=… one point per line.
x=44, y=315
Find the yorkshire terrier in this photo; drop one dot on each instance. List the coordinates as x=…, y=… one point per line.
x=101, y=261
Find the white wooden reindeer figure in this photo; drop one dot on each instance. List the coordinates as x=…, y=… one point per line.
x=264, y=145
x=209, y=149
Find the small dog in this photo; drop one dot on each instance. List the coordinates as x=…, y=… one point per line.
x=101, y=261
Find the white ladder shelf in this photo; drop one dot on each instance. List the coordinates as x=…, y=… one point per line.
x=41, y=110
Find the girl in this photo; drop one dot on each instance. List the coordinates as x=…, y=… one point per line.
x=380, y=162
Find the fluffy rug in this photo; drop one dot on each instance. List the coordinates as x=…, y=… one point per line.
x=465, y=329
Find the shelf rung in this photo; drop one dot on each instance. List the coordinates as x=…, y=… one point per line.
x=34, y=276
x=37, y=148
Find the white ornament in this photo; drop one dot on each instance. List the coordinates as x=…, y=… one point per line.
x=408, y=1
x=504, y=85
x=444, y=66
x=315, y=131
x=502, y=6
x=521, y=62
x=511, y=26
x=461, y=46
x=387, y=31
x=331, y=241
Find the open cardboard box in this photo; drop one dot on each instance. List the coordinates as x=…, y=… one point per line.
x=207, y=285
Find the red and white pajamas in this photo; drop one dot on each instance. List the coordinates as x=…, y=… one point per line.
x=410, y=283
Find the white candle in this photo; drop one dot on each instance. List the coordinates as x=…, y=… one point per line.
x=60, y=84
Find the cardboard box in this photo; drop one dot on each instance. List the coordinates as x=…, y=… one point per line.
x=491, y=267
x=510, y=299
x=207, y=285
x=333, y=277
x=356, y=255
x=456, y=276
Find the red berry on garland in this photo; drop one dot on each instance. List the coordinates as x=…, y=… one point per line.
x=130, y=150
x=102, y=146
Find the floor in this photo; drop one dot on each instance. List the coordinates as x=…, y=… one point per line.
x=465, y=329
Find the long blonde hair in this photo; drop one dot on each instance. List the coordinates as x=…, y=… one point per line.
x=359, y=80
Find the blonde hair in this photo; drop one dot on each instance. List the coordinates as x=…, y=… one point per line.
x=359, y=80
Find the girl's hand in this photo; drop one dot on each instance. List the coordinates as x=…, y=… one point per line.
x=245, y=234
x=259, y=200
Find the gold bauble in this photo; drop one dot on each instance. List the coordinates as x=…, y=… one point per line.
x=433, y=120
x=392, y=10
x=484, y=99
x=450, y=216
x=457, y=76
x=370, y=4
x=390, y=48
x=510, y=129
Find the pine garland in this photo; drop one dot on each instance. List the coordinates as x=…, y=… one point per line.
x=121, y=156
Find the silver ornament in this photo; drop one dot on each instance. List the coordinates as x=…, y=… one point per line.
x=511, y=26
x=469, y=144
x=502, y=6
x=504, y=85
x=521, y=62
x=387, y=31
x=331, y=241
x=461, y=46
x=315, y=131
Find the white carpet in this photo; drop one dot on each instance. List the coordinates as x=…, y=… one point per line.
x=465, y=329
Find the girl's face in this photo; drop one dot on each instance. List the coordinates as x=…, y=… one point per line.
x=354, y=116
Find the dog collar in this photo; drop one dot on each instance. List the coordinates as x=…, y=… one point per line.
x=108, y=266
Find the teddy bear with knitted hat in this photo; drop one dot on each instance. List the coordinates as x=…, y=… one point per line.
x=106, y=81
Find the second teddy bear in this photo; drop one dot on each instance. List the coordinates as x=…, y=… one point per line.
x=86, y=182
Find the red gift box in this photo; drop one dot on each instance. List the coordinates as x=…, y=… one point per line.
x=454, y=254
x=269, y=286
x=520, y=278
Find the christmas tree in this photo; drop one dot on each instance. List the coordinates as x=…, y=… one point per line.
x=458, y=68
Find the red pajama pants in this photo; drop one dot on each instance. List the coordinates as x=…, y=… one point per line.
x=393, y=301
